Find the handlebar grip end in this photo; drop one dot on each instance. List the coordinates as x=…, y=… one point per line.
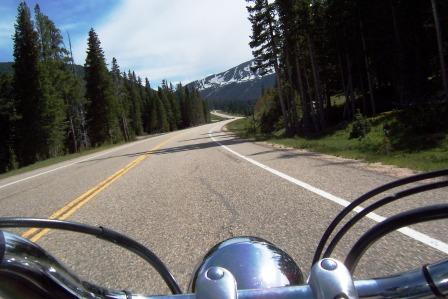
x=436, y=276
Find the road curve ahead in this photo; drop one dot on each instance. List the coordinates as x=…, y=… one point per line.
x=181, y=193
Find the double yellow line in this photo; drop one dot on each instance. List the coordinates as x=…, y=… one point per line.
x=34, y=234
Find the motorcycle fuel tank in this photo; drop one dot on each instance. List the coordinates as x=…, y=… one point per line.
x=255, y=263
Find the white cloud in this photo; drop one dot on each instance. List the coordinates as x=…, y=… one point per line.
x=175, y=39
x=70, y=26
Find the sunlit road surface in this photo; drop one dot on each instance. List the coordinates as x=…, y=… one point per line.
x=181, y=193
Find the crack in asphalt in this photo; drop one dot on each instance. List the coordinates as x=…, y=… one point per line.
x=227, y=227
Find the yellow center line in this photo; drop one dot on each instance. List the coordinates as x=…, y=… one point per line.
x=34, y=234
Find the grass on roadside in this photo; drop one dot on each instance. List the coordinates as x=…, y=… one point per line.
x=55, y=160
x=372, y=148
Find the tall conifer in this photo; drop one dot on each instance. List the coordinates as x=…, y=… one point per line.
x=120, y=95
x=54, y=80
x=136, y=107
x=102, y=112
x=7, y=125
x=30, y=139
x=266, y=45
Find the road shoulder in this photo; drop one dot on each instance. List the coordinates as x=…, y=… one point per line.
x=377, y=167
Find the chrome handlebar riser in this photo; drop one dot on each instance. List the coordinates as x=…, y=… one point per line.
x=216, y=283
x=330, y=279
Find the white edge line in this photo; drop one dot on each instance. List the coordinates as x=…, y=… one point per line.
x=80, y=161
x=416, y=235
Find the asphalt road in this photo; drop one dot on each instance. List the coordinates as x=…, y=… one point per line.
x=182, y=192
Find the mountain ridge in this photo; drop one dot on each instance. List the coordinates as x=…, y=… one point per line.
x=239, y=83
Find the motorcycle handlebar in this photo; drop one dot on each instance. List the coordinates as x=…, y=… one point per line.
x=21, y=259
x=413, y=284
x=408, y=285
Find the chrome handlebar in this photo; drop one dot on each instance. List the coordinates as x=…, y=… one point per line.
x=23, y=263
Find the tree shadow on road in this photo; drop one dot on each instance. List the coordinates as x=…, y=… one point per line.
x=338, y=163
x=222, y=135
x=178, y=149
x=291, y=155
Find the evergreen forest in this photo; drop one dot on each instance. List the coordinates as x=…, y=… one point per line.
x=48, y=107
x=340, y=61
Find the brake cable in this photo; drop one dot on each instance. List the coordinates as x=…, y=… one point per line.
x=386, y=200
x=424, y=214
x=365, y=197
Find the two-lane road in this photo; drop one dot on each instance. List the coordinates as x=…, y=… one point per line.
x=182, y=192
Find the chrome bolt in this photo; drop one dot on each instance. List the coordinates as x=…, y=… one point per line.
x=215, y=273
x=328, y=264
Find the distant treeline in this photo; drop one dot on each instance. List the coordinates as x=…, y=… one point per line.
x=232, y=106
x=375, y=56
x=48, y=109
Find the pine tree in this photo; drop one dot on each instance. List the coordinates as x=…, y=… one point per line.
x=441, y=52
x=149, y=113
x=78, y=138
x=197, y=108
x=162, y=118
x=154, y=118
x=181, y=99
x=120, y=95
x=142, y=102
x=164, y=95
x=102, y=112
x=136, y=105
x=7, y=125
x=53, y=80
x=266, y=45
x=175, y=106
x=206, y=111
x=74, y=92
x=30, y=138
x=187, y=111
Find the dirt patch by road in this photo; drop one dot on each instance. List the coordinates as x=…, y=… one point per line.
x=379, y=167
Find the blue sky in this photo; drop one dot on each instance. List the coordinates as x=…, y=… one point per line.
x=177, y=40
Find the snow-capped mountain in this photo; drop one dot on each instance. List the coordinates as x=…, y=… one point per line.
x=238, y=74
x=238, y=83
